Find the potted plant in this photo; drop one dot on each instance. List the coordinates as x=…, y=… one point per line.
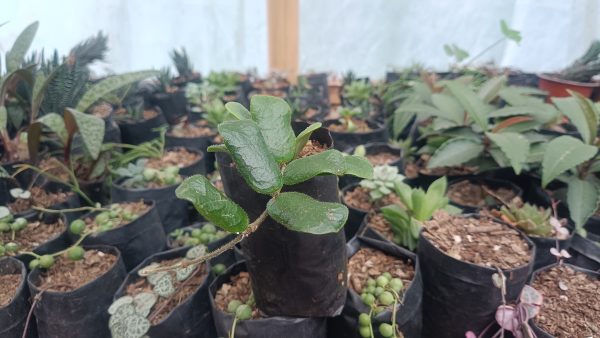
x=278, y=199
x=384, y=292
x=134, y=228
x=299, y=99
x=369, y=195
x=355, y=127
x=169, y=98
x=236, y=314
x=568, y=308
x=275, y=84
x=467, y=251
x=475, y=193
x=185, y=68
x=578, y=77
x=14, y=303
x=173, y=303
x=136, y=182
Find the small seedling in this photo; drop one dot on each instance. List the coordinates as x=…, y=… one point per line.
x=383, y=182
x=379, y=294
x=138, y=176
x=347, y=114
x=240, y=311
x=208, y=233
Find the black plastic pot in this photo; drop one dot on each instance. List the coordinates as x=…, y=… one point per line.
x=201, y=143
x=489, y=182
x=72, y=201
x=293, y=273
x=14, y=315
x=173, y=211
x=198, y=167
x=409, y=312
x=585, y=252
x=540, y=333
x=97, y=190
x=355, y=216
x=192, y=318
x=136, y=240
x=523, y=79
x=270, y=327
x=372, y=149
x=136, y=132
x=345, y=140
x=81, y=312
x=173, y=105
x=58, y=243
x=460, y=296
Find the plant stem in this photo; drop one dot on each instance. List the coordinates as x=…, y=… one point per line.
x=30, y=253
x=232, y=333
x=484, y=51
x=60, y=211
x=81, y=238
x=187, y=262
x=371, y=323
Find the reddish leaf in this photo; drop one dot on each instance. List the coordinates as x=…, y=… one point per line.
x=506, y=317
x=511, y=121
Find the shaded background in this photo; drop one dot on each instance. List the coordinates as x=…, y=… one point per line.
x=368, y=37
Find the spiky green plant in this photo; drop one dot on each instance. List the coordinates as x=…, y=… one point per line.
x=182, y=63
x=529, y=218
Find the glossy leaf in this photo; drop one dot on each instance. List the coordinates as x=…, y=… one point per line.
x=212, y=204
x=300, y=212
x=56, y=124
x=238, y=110
x=514, y=146
x=273, y=116
x=304, y=136
x=475, y=107
x=90, y=127
x=582, y=200
x=564, y=153
x=328, y=162
x=112, y=83
x=455, y=152
x=15, y=56
x=251, y=155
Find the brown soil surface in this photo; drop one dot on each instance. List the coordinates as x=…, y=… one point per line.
x=413, y=169
x=382, y=158
x=178, y=157
x=39, y=198
x=475, y=195
x=479, y=241
x=370, y=263
x=571, y=308
x=34, y=234
x=51, y=166
x=359, y=198
x=239, y=288
x=311, y=148
x=8, y=291
x=361, y=127
x=102, y=110
x=183, y=290
x=67, y=275
x=136, y=208
x=20, y=151
x=190, y=130
x=378, y=223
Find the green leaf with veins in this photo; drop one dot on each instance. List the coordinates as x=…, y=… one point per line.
x=300, y=212
x=212, y=204
x=328, y=162
x=91, y=129
x=473, y=105
x=56, y=124
x=514, y=146
x=273, y=116
x=582, y=199
x=455, y=152
x=15, y=56
x=236, y=109
x=564, y=153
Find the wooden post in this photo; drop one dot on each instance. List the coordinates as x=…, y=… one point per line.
x=283, y=37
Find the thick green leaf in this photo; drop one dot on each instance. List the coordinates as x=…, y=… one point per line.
x=515, y=146
x=475, y=107
x=304, y=136
x=564, y=153
x=212, y=204
x=273, y=116
x=251, y=155
x=300, y=212
x=489, y=89
x=56, y=124
x=15, y=56
x=455, y=152
x=112, y=83
x=521, y=96
x=450, y=106
x=90, y=127
x=435, y=199
x=236, y=109
x=582, y=199
x=543, y=113
x=3, y=118
x=328, y=162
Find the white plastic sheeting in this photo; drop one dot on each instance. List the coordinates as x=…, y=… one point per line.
x=368, y=36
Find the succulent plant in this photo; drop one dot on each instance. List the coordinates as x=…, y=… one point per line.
x=531, y=219
x=383, y=181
